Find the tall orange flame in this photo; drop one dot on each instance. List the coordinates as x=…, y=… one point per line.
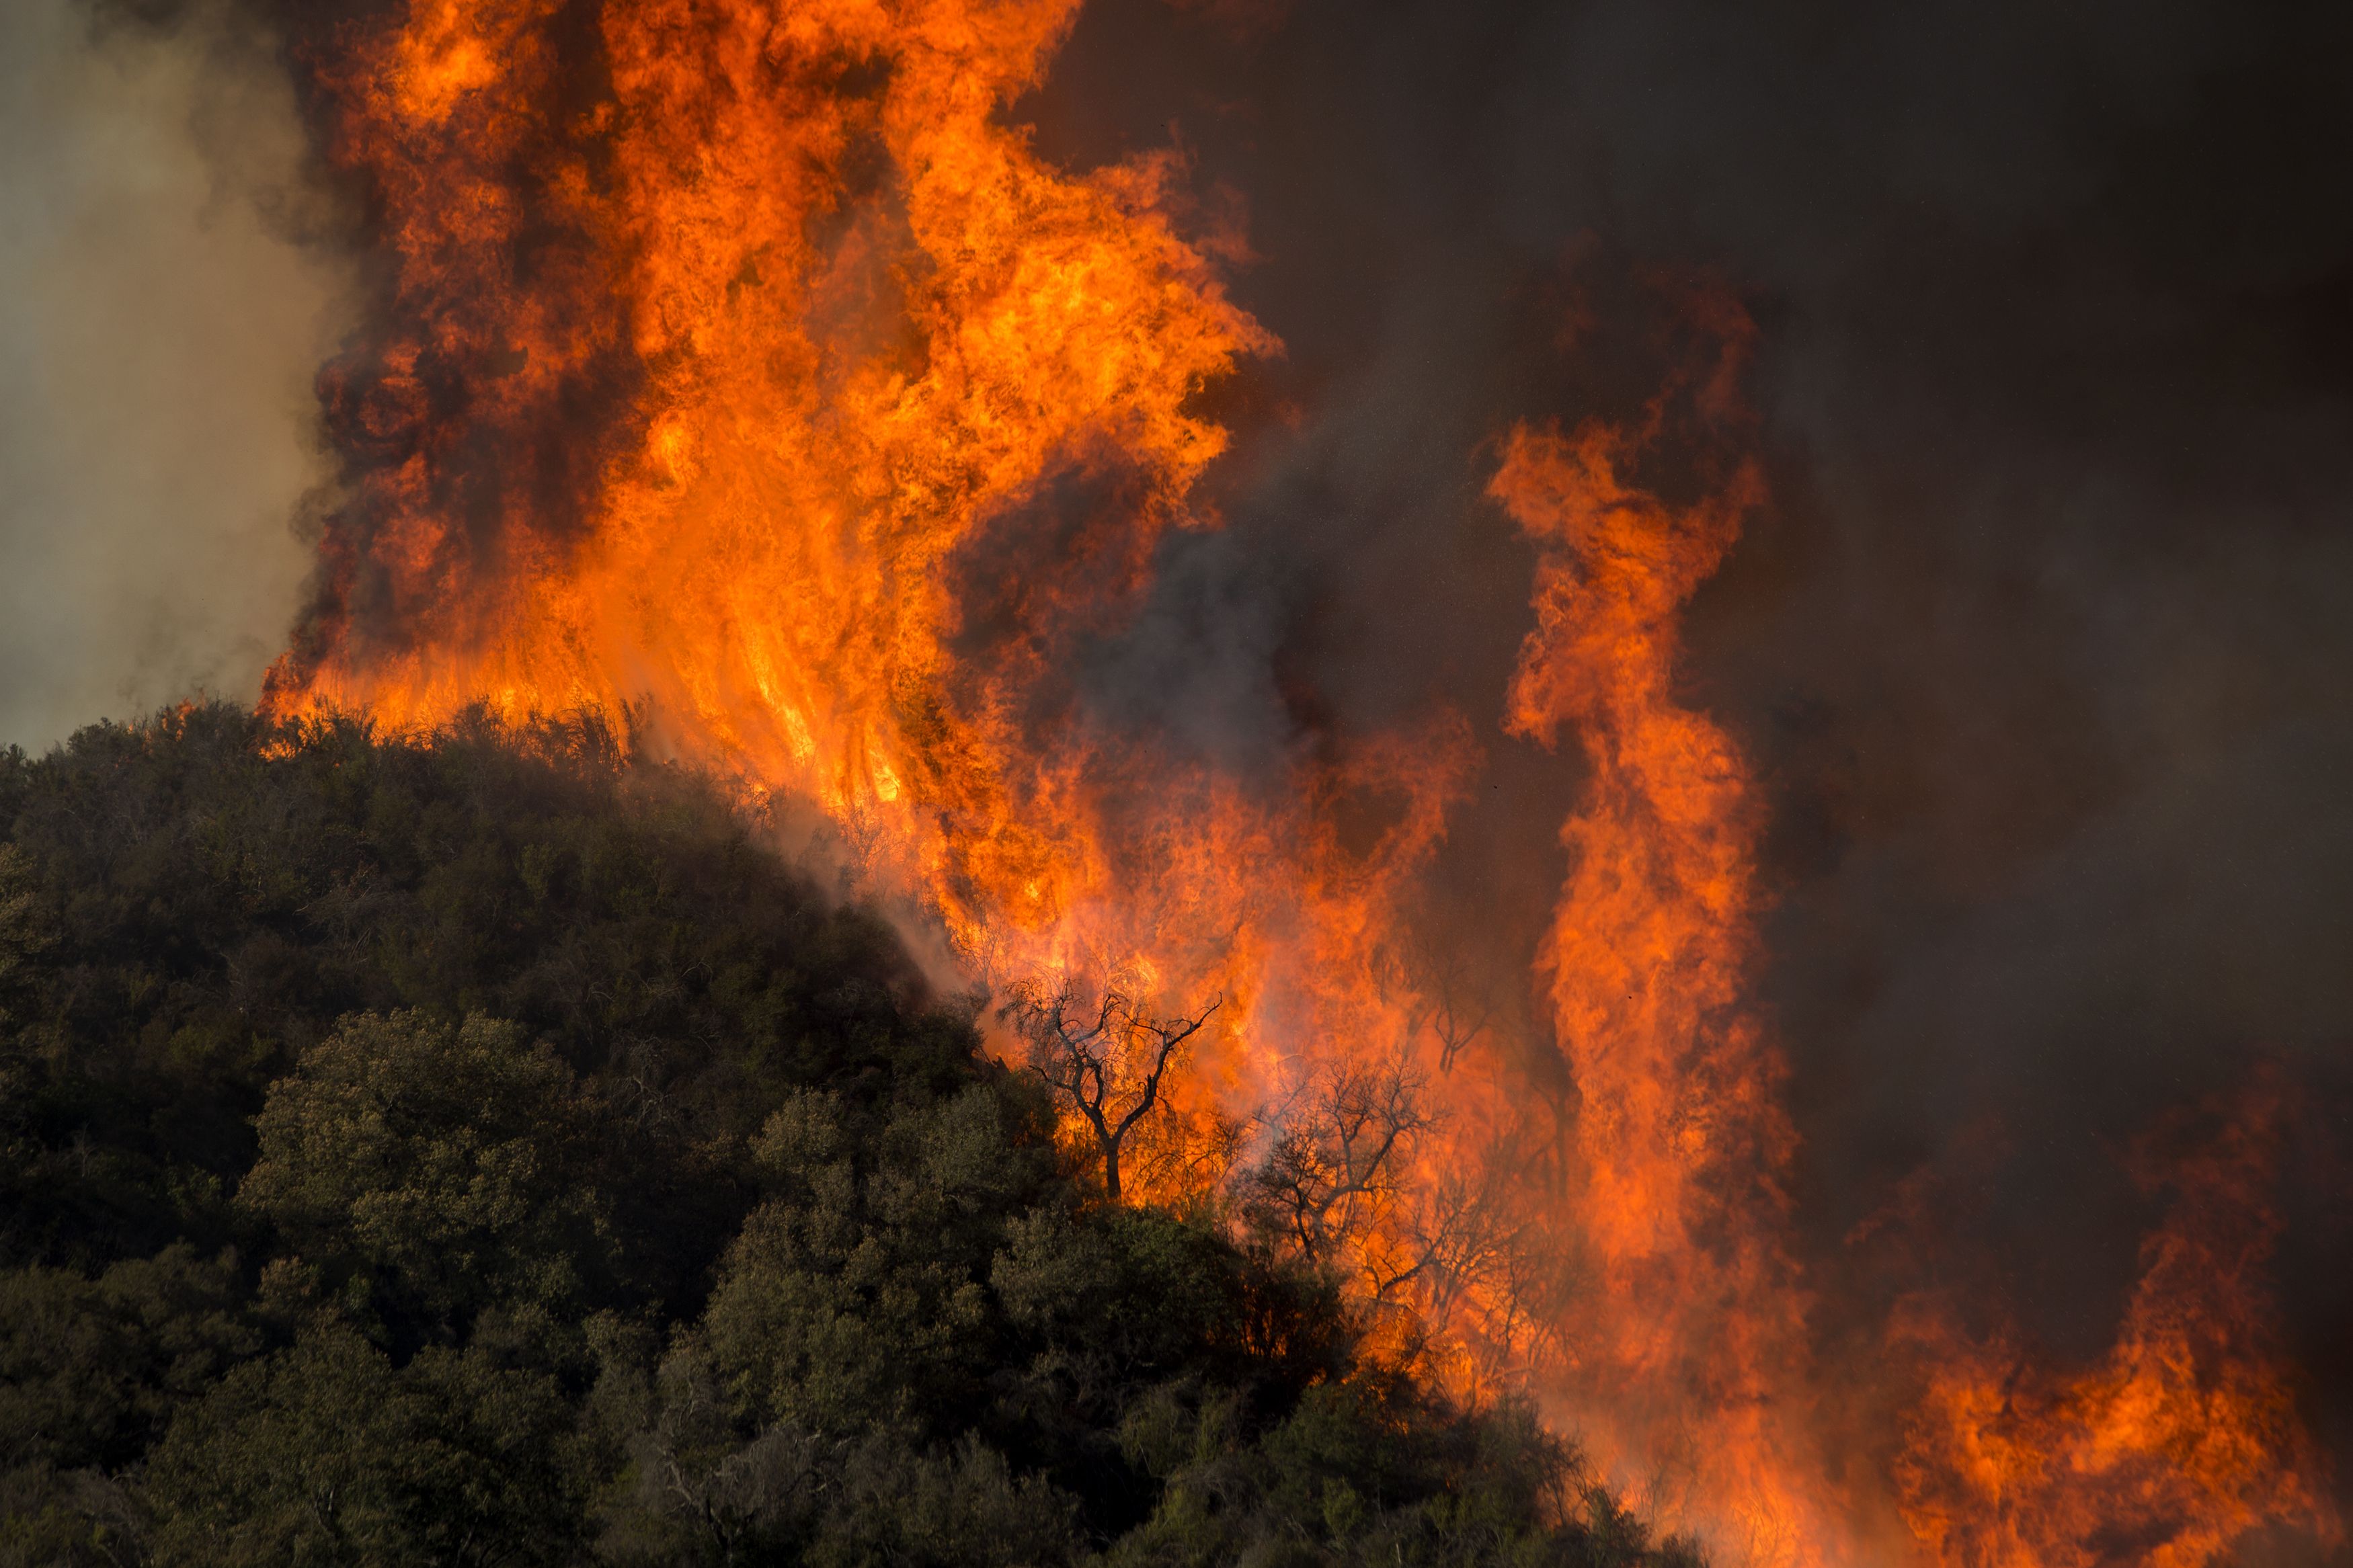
x=744, y=372
x=1680, y=1142
x=782, y=395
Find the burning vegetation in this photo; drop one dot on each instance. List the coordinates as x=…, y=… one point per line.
x=745, y=380
x=487, y=1152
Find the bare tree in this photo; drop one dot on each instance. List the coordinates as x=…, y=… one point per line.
x=1186, y=1155
x=1453, y=1240
x=1474, y=1252
x=1455, y=1004
x=1107, y=1060
x=1446, y=1238
x=1332, y=1171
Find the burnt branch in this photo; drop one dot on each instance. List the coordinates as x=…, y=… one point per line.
x=1333, y=1173
x=1456, y=1006
x=1107, y=1062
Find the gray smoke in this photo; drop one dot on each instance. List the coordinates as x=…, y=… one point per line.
x=160, y=323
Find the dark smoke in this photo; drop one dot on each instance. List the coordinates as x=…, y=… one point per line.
x=2045, y=645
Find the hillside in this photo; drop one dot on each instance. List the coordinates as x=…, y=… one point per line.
x=485, y=1152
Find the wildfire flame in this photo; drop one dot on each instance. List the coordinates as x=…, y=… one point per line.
x=1680, y=1142
x=741, y=370
x=2181, y=1441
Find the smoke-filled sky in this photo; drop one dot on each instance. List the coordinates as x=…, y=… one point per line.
x=2045, y=641
x=2043, y=644
x=159, y=328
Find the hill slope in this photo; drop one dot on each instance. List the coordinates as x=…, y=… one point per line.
x=483, y=1152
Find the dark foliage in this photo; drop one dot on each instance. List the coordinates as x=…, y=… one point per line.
x=483, y=1151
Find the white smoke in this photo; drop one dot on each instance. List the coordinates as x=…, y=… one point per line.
x=159, y=328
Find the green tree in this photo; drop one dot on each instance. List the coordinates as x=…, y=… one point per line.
x=439, y=1171
x=326, y=1453
x=24, y=930
x=857, y=1295
x=91, y=1371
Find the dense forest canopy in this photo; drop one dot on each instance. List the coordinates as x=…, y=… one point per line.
x=485, y=1152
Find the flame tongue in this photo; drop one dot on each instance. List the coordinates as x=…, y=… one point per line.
x=1686, y=1357
x=2182, y=1440
x=862, y=320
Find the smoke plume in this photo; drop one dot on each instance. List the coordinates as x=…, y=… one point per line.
x=161, y=319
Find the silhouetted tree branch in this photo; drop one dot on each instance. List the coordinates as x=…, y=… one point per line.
x=1456, y=1006
x=1108, y=1060
x=1334, y=1168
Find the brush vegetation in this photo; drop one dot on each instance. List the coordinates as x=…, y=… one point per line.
x=485, y=1152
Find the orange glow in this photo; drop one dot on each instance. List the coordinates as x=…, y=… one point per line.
x=2182, y=1440
x=804, y=330
x=773, y=393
